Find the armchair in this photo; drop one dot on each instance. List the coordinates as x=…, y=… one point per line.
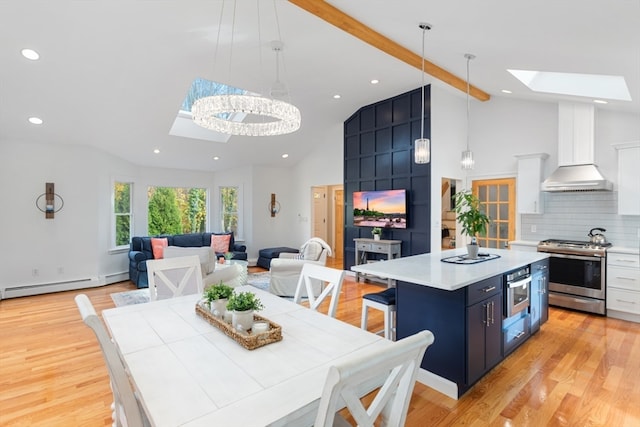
x=286, y=269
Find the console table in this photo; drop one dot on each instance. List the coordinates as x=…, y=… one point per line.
x=391, y=248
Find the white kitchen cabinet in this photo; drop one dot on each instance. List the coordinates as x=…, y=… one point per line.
x=623, y=285
x=628, y=178
x=528, y=194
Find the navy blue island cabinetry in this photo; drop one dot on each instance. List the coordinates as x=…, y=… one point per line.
x=467, y=323
x=465, y=308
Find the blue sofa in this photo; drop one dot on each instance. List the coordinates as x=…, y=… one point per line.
x=140, y=251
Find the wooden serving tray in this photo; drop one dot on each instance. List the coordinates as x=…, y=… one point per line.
x=249, y=341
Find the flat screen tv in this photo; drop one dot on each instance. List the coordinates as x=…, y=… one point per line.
x=386, y=208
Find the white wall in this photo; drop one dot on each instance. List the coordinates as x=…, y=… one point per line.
x=75, y=245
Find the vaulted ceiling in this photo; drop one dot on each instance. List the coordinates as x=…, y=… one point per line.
x=112, y=74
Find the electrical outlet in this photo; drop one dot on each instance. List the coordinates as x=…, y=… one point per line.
x=534, y=229
x=35, y=272
x=60, y=270
x=638, y=233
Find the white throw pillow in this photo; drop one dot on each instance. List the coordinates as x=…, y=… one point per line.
x=205, y=253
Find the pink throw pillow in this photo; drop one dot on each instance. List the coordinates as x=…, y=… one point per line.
x=157, y=246
x=220, y=243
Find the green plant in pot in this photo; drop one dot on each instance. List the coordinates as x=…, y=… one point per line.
x=228, y=256
x=376, y=232
x=216, y=297
x=243, y=304
x=474, y=222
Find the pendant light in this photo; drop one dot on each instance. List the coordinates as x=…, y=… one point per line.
x=422, y=146
x=467, y=161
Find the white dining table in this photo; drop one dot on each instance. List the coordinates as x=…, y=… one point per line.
x=189, y=373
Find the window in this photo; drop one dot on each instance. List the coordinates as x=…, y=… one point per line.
x=122, y=213
x=177, y=210
x=229, y=217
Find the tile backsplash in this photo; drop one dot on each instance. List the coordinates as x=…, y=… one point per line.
x=571, y=216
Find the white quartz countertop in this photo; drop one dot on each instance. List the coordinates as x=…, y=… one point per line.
x=429, y=270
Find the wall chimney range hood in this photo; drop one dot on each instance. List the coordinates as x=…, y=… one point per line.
x=576, y=148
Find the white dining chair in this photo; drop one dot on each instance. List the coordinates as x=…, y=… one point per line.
x=126, y=410
x=173, y=277
x=393, y=369
x=330, y=278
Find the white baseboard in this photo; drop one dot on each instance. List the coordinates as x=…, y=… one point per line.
x=438, y=383
x=15, y=291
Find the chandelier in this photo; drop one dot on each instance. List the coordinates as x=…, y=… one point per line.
x=266, y=116
x=467, y=161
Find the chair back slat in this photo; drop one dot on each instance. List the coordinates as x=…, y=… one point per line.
x=126, y=409
x=393, y=370
x=172, y=277
x=331, y=277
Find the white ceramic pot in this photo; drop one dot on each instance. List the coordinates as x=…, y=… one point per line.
x=219, y=307
x=376, y=237
x=242, y=320
x=472, y=251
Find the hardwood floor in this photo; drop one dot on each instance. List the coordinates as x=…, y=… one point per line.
x=579, y=370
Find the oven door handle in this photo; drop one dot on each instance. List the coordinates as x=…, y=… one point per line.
x=582, y=258
x=519, y=283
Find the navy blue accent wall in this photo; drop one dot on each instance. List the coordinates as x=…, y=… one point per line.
x=378, y=155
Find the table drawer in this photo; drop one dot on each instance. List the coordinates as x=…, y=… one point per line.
x=625, y=278
x=623, y=300
x=376, y=247
x=623, y=260
x=364, y=247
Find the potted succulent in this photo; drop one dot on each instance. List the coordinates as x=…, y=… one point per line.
x=377, y=232
x=471, y=218
x=242, y=305
x=216, y=297
x=228, y=256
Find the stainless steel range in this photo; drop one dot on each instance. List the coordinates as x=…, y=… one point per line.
x=577, y=274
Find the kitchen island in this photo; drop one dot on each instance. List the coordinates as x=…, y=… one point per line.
x=464, y=306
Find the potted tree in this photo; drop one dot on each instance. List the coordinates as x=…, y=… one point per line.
x=242, y=305
x=216, y=297
x=376, y=232
x=471, y=218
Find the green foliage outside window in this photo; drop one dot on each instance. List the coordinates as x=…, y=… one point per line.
x=122, y=212
x=177, y=210
x=229, y=209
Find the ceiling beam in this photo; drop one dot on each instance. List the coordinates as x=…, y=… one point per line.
x=336, y=17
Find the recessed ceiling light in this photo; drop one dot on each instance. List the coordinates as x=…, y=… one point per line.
x=375, y=81
x=336, y=96
x=285, y=155
x=35, y=120
x=216, y=158
x=156, y=151
x=587, y=85
x=30, y=54
x=506, y=91
x=600, y=101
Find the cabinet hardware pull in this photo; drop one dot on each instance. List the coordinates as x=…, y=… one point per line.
x=486, y=314
x=485, y=290
x=625, y=260
x=626, y=278
x=520, y=335
x=622, y=300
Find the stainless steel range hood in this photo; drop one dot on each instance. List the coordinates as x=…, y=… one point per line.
x=577, y=178
x=576, y=148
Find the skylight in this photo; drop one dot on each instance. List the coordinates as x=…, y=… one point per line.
x=586, y=85
x=183, y=124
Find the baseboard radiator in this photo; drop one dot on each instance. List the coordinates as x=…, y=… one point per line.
x=63, y=285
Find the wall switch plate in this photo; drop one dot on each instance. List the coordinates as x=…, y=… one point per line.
x=534, y=228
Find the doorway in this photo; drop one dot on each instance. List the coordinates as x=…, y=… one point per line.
x=327, y=216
